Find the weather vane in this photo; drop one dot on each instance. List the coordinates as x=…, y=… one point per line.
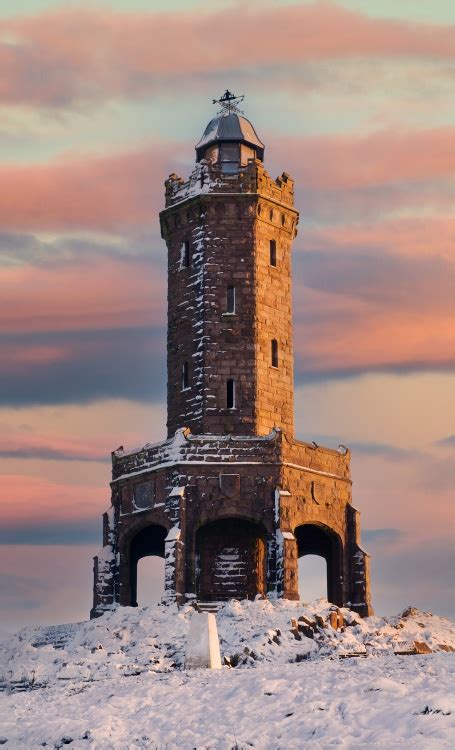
x=229, y=102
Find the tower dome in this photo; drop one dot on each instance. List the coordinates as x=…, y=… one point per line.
x=229, y=138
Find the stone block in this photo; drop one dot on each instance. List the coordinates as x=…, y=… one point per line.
x=203, y=647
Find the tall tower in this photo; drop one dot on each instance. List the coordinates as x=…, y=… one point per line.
x=229, y=233
x=231, y=499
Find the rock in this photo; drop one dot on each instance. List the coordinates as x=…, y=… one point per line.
x=203, y=647
x=306, y=630
x=418, y=648
x=336, y=619
x=3, y=740
x=422, y=648
x=409, y=612
x=319, y=621
x=307, y=621
x=444, y=647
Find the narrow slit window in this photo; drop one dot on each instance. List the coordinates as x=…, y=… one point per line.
x=274, y=353
x=273, y=252
x=185, y=376
x=186, y=255
x=230, y=394
x=230, y=306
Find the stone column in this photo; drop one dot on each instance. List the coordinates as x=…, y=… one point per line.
x=359, y=567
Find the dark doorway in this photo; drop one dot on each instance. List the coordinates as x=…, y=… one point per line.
x=231, y=560
x=149, y=541
x=313, y=539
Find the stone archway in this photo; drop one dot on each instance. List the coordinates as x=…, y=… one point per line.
x=148, y=541
x=316, y=539
x=231, y=560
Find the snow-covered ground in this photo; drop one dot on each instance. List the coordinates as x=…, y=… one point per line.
x=119, y=682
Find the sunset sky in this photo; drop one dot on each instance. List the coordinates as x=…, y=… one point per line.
x=99, y=103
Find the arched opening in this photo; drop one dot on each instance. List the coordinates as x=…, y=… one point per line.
x=315, y=539
x=312, y=578
x=231, y=560
x=149, y=542
x=150, y=580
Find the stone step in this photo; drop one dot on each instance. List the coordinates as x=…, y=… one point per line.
x=209, y=606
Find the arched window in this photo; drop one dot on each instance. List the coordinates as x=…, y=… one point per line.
x=230, y=394
x=273, y=252
x=274, y=353
x=271, y=214
x=185, y=376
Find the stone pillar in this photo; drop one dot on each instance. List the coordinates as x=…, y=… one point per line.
x=359, y=567
x=290, y=567
x=174, y=566
x=105, y=570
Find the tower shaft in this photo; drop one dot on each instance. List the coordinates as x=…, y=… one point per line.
x=230, y=359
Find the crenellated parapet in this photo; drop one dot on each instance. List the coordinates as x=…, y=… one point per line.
x=208, y=177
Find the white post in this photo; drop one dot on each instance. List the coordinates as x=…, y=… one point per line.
x=203, y=647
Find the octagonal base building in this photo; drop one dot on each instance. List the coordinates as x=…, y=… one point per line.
x=231, y=499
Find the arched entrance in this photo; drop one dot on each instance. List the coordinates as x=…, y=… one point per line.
x=148, y=541
x=230, y=560
x=315, y=539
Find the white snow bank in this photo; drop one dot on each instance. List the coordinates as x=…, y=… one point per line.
x=118, y=682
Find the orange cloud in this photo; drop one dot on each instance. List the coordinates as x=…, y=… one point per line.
x=81, y=54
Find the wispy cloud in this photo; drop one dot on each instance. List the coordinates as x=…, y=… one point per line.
x=80, y=55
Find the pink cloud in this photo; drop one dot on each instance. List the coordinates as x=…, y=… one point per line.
x=24, y=444
x=408, y=237
x=33, y=499
x=102, y=292
x=82, y=54
x=123, y=190
x=90, y=192
x=358, y=161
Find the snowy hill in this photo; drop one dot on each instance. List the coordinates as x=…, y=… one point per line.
x=295, y=676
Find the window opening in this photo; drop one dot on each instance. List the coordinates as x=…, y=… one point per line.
x=274, y=353
x=185, y=376
x=186, y=255
x=230, y=306
x=230, y=394
x=273, y=252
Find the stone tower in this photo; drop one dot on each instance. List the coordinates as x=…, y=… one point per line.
x=231, y=499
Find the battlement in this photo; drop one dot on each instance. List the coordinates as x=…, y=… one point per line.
x=207, y=177
x=274, y=448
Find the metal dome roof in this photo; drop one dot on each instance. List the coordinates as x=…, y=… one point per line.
x=231, y=127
